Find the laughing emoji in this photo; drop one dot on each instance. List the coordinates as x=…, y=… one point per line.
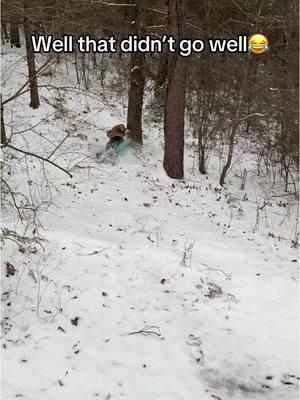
x=258, y=44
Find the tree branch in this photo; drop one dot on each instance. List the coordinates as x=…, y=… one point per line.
x=19, y=91
x=39, y=157
x=13, y=197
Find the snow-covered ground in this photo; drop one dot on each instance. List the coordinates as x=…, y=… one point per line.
x=147, y=288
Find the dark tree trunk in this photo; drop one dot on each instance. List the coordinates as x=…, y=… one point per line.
x=14, y=34
x=203, y=112
x=137, y=78
x=202, y=168
x=175, y=97
x=4, y=31
x=162, y=74
x=234, y=128
x=34, y=93
x=3, y=133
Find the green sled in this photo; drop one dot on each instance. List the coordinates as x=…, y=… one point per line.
x=122, y=147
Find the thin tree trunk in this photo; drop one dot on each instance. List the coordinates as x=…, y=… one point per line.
x=94, y=56
x=137, y=78
x=2, y=37
x=202, y=131
x=3, y=132
x=84, y=73
x=162, y=73
x=102, y=72
x=67, y=66
x=202, y=151
x=14, y=34
x=235, y=125
x=175, y=97
x=76, y=66
x=5, y=32
x=34, y=93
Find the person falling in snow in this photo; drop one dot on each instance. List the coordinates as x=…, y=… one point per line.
x=119, y=140
x=117, y=135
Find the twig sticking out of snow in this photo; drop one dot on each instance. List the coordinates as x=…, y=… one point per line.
x=93, y=252
x=148, y=330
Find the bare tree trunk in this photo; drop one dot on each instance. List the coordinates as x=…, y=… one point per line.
x=94, y=57
x=3, y=133
x=84, y=72
x=175, y=97
x=76, y=66
x=102, y=72
x=2, y=37
x=202, y=130
x=137, y=78
x=66, y=63
x=162, y=73
x=34, y=93
x=14, y=34
x=202, y=151
x=4, y=31
x=235, y=125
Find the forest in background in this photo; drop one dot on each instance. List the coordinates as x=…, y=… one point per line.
x=169, y=271
x=225, y=98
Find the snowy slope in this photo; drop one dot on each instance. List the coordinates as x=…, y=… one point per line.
x=147, y=288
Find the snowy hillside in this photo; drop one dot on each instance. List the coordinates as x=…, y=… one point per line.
x=144, y=288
